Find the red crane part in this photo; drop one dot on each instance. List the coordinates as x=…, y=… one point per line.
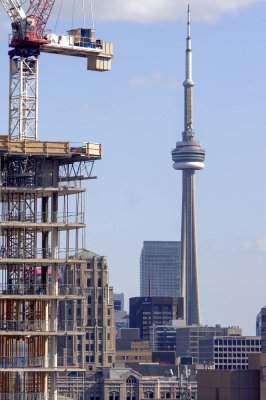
x=40, y=10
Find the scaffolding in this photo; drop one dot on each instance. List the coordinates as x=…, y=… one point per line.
x=41, y=236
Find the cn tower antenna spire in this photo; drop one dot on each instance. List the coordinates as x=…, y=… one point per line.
x=188, y=84
x=188, y=21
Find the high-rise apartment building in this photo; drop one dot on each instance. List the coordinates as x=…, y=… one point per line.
x=160, y=269
x=95, y=313
x=188, y=156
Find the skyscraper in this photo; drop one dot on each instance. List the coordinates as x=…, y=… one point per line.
x=189, y=156
x=160, y=269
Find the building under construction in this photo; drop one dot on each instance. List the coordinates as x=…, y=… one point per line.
x=42, y=219
x=42, y=215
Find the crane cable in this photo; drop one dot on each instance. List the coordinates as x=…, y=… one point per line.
x=58, y=15
x=84, y=18
x=73, y=12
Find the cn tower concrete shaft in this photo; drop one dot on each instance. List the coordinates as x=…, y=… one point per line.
x=189, y=249
x=188, y=156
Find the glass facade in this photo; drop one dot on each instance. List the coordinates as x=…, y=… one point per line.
x=160, y=269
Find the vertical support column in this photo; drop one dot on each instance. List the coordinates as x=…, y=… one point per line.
x=44, y=288
x=54, y=289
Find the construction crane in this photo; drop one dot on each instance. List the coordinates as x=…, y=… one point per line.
x=28, y=39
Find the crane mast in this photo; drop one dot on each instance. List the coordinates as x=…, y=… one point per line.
x=23, y=96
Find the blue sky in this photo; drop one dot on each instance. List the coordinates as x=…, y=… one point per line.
x=136, y=112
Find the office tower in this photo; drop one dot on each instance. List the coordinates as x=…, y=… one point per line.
x=160, y=269
x=96, y=348
x=163, y=337
x=147, y=311
x=188, y=156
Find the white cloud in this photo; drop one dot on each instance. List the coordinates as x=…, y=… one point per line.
x=151, y=10
x=258, y=245
x=159, y=10
x=154, y=80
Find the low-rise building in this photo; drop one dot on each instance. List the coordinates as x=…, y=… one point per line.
x=187, y=338
x=228, y=352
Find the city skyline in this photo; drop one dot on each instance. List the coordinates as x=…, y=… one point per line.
x=133, y=199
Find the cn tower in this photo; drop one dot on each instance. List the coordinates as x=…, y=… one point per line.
x=188, y=156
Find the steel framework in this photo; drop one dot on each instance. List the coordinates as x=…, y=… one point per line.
x=23, y=97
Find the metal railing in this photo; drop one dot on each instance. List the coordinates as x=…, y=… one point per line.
x=40, y=326
x=47, y=253
x=35, y=361
x=64, y=217
x=37, y=289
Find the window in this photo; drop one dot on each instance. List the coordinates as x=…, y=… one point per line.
x=114, y=396
x=148, y=395
x=109, y=359
x=131, y=379
x=165, y=395
x=131, y=396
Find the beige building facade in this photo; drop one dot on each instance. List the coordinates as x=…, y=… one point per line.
x=95, y=312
